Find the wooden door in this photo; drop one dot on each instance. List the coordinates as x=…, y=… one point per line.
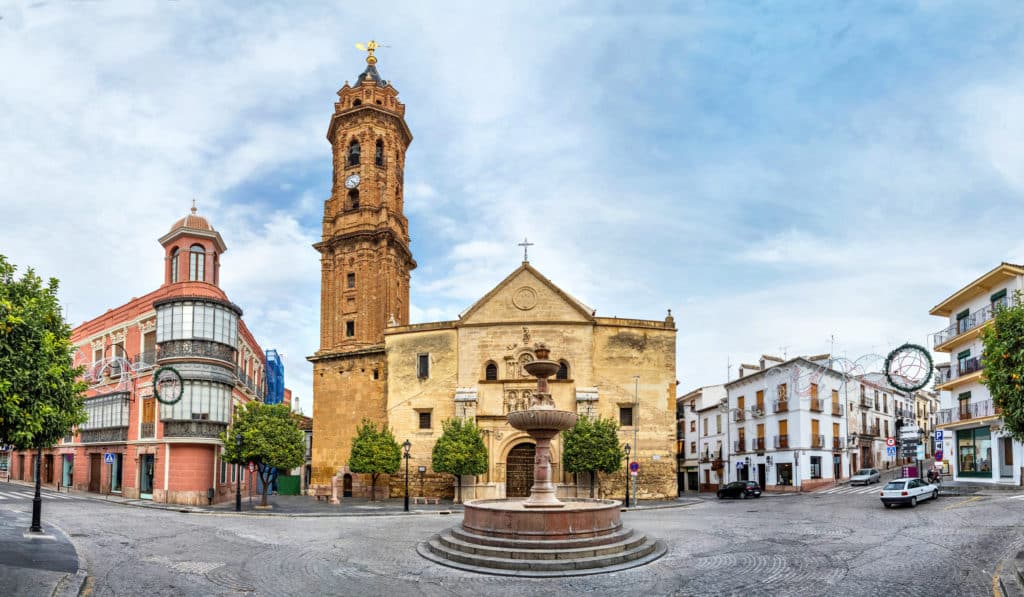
x=149, y=417
x=95, y=468
x=519, y=471
x=783, y=434
x=48, y=469
x=815, y=431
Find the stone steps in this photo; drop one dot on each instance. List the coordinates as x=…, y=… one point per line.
x=458, y=548
x=615, y=536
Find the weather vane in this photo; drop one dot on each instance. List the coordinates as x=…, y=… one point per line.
x=369, y=47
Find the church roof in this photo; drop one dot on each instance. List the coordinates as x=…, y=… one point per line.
x=584, y=310
x=194, y=225
x=371, y=74
x=193, y=221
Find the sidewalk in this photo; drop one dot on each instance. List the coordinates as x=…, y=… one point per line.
x=306, y=506
x=37, y=565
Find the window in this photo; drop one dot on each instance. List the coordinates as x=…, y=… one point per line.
x=234, y=471
x=353, y=153
x=423, y=366
x=223, y=472
x=97, y=355
x=974, y=452
x=815, y=467
x=174, y=266
x=188, y=319
x=626, y=416
x=718, y=423
x=491, y=372
x=965, y=405
x=106, y=411
x=378, y=156
x=999, y=299
x=760, y=400
x=705, y=425
x=962, y=321
x=376, y=373
x=196, y=263
x=350, y=329
x=200, y=401
x=350, y=280
x=693, y=425
x=693, y=447
x=353, y=199
x=424, y=419
x=563, y=370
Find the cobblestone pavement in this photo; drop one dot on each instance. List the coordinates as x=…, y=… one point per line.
x=814, y=544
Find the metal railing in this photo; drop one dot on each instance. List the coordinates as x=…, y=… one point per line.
x=757, y=412
x=739, y=446
x=866, y=402
x=780, y=406
x=739, y=415
x=838, y=443
x=781, y=441
x=816, y=405
x=757, y=444
x=818, y=441
x=966, y=412
x=837, y=410
x=962, y=326
x=871, y=430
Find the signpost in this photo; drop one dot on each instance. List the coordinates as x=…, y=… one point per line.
x=108, y=458
x=890, y=452
x=890, y=442
x=938, y=455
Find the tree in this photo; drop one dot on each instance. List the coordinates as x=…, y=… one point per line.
x=590, y=446
x=41, y=396
x=1003, y=355
x=271, y=438
x=374, y=451
x=459, y=451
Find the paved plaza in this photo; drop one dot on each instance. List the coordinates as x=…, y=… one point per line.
x=811, y=544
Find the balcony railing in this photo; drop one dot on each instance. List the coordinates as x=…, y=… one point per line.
x=739, y=415
x=871, y=430
x=144, y=359
x=817, y=441
x=964, y=325
x=838, y=443
x=148, y=430
x=837, y=409
x=705, y=458
x=781, y=406
x=739, y=446
x=757, y=444
x=816, y=405
x=781, y=442
x=866, y=402
x=757, y=412
x=966, y=412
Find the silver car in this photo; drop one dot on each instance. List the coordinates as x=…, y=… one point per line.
x=865, y=476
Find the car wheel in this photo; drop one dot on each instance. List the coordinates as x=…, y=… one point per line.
x=913, y=502
x=935, y=494
x=743, y=494
x=887, y=505
x=719, y=494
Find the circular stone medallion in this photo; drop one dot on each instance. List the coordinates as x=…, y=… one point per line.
x=525, y=298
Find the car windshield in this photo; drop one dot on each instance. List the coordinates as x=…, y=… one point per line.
x=863, y=472
x=894, y=485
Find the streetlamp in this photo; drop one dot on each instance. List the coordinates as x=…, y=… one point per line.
x=37, y=501
x=627, y=475
x=406, y=447
x=636, y=426
x=238, y=482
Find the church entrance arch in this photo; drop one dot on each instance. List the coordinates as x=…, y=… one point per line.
x=346, y=485
x=519, y=470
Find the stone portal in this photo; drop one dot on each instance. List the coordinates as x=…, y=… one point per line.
x=519, y=470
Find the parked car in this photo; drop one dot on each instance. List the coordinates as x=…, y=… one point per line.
x=740, y=489
x=907, y=491
x=866, y=476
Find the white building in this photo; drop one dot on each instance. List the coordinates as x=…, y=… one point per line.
x=974, y=441
x=874, y=406
x=705, y=452
x=788, y=423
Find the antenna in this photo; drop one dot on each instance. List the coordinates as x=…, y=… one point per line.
x=728, y=367
x=784, y=349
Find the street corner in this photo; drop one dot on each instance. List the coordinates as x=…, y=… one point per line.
x=40, y=564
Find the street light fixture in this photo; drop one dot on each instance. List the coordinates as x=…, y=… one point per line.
x=627, y=474
x=406, y=447
x=238, y=476
x=37, y=500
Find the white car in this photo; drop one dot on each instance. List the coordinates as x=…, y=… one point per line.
x=908, y=491
x=866, y=476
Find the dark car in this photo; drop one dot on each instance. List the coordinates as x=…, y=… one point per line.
x=740, y=489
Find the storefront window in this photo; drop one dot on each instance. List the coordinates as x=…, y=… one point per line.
x=974, y=452
x=784, y=473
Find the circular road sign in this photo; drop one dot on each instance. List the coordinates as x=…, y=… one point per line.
x=634, y=466
x=890, y=441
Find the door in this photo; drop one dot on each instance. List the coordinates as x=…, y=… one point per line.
x=761, y=480
x=692, y=481
x=69, y=467
x=346, y=485
x=95, y=469
x=815, y=434
x=149, y=417
x=48, y=469
x=519, y=471
x=146, y=476
x=115, y=473
x=1006, y=466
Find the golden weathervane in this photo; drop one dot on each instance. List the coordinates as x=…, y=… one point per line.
x=369, y=47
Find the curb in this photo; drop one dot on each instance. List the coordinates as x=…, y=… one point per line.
x=72, y=585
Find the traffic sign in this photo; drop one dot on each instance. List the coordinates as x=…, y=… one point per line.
x=920, y=452
x=938, y=455
x=938, y=435
x=890, y=442
x=108, y=458
x=890, y=451
x=634, y=467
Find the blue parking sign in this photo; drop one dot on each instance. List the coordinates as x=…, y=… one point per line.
x=938, y=435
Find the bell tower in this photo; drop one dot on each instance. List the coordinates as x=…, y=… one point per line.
x=365, y=263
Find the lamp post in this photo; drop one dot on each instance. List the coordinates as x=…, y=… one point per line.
x=636, y=427
x=238, y=482
x=406, y=447
x=37, y=500
x=627, y=475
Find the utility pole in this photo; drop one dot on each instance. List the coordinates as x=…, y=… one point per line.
x=636, y=428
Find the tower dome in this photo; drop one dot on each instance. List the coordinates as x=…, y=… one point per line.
x=192, y=250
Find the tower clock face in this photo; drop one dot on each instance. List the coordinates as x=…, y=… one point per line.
x=352, y=181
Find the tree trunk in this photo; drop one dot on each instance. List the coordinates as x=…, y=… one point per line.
x=266, y=484
x=459, y=497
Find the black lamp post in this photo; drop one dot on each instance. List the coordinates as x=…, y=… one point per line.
x=238, y=476
x=627, y=475
x=37, y=501
x=406, y=447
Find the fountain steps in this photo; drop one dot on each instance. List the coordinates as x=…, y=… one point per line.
x=615, y=536
x=462, y=550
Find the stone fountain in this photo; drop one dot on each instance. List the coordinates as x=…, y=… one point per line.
x=542, y=535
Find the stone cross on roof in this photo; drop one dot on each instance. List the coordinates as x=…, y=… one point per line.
x=526, y=247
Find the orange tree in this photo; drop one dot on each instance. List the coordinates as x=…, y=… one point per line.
x=1003, y=355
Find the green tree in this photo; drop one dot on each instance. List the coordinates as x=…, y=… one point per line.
x=271, y=438
x=590, y=446
x=1003, y=355
x=374, y=451
x=41, y=396
x=459, y=451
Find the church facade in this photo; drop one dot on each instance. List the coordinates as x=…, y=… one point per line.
x=372, y=364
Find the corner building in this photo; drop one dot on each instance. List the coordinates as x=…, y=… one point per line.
x=132, y=443
x=372, y=364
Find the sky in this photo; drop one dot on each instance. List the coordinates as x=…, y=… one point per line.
x=787, y=178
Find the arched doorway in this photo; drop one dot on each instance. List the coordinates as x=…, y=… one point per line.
x=519, y=470
x=346, y=485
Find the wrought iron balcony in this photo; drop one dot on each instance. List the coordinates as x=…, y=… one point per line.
x=757, y=412
x=144, y=359
x=867, y=402
x=757, y=444
x=870, y=430
x=837, y=410
x=739, y=415
x=190, y=349
x=818, y=441
x=962, y=326
x=705, y=458
x=838, y=443
x=781, y=406
x=739, y=446
x=781, y=442
x=148, y=430
x=966, y=412
x=816, y=405
x=193, y=428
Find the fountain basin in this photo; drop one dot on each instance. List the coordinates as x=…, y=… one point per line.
x=513, y=519
x=541, y=419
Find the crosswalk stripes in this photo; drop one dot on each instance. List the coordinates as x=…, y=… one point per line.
x=1016, y=497
x=28, y=495
x=860, y=490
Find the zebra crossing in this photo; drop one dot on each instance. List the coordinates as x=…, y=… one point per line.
x=30, y=494
x=852, y=489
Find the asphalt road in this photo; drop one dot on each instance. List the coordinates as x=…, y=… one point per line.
x=836, y=544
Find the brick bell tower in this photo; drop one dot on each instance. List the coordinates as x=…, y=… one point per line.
x=365, y=263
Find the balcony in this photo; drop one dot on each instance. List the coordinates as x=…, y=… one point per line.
x=962, y=326
x=739, y=415
x=838, y=443
x=782, y=442
x=959, y=369
x=837, y=409
x=144, y=360
x=866, y=402
x=148, y=430
x=208, y=429
x=966, y=412
x=816, y=405
x=705, y=458
x=739, y=446
x=871, y=430
x=757, y=444
x=780, y=406
x=818, y=441
x=196, y=349
x=757, y=412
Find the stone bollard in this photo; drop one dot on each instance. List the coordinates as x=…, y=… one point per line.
x=334, y=490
